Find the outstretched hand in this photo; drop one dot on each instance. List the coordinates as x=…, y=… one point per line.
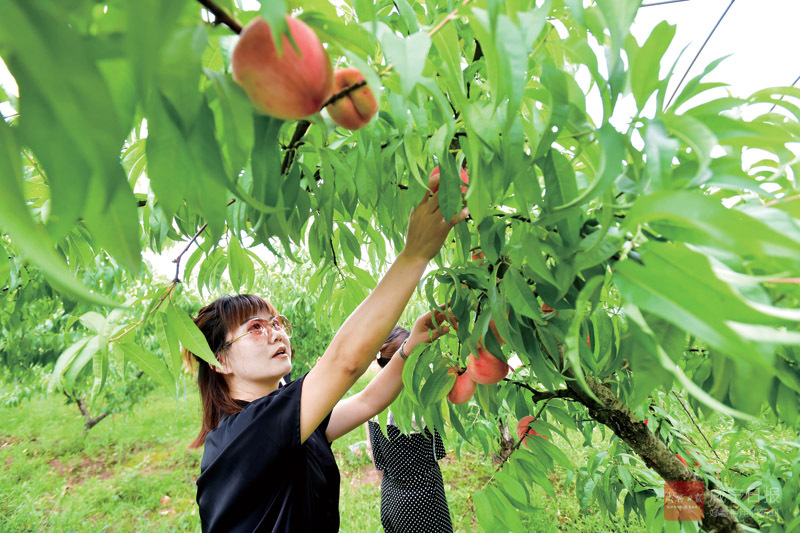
x=424, y=329
x=427, y=228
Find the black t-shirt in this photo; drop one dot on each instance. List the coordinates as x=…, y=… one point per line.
x=256, y=476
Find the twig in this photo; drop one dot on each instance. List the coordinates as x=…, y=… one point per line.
x=288, y=157
x=450, y=16
x=221, y=16
x=344, y=92
x=542, y=395
x=169, y=290
x=699, y=52
x=177, y=260
x=521, y=439
x=696, y=426
x=444, y=21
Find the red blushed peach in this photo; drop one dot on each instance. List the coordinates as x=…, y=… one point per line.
x=523, y=430
x=486, y=368
x=286, y=85
x=435, y=185
x=355, y=110
x=463, y=388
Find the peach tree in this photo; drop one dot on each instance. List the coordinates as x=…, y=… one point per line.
x=636, y=250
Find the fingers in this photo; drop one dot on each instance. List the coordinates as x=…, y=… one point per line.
x=458, y=217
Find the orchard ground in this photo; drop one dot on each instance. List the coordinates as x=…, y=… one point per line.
x=133, y=471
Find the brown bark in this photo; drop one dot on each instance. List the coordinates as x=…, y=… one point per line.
x=611, y=412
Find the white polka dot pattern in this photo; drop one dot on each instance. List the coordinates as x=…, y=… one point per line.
x=412, y=490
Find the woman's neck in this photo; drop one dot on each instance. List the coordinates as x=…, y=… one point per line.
x=249, y=391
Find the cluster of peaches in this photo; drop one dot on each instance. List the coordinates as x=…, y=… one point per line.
x=296, y=82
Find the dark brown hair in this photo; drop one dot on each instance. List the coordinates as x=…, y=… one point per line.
x=215, y=321
x=392, y=343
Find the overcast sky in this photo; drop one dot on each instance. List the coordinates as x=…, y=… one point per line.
x=763, y=37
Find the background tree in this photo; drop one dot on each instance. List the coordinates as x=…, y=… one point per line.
x=649, y=236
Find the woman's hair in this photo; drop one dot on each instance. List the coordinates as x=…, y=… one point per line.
x=392, y=343
x=215, y=321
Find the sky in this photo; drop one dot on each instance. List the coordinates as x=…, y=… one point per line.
x=761, y=36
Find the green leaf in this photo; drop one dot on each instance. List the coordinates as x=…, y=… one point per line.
x=189, y=334
x=436, y=387
x=274, y=12
x=115, y=225
x=520, y=295
x=695, y=218
x=574, y=340
x=407, y=14
x=64, y=361
x=30, y=237
x=168, y=341
x=695, y=134
x=81, y=360
x=235, y=109
x=407, y=56
x=148, y=362
x=236, y=259
x=645, y=66
x=678, y=285
x=69, y=121
x=337, y=31
x=647, y=338
x=562, y=189
x=612, y=144
x=512, y=488
x=661, y=150
x=486, y=515
x=787, y=404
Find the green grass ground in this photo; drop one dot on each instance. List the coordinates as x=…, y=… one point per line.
x=133, y=472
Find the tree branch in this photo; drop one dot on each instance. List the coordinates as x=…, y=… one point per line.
x=221, y=16
x=611, y=412
x=539, y=395
x=89, y=420
x=177, y=260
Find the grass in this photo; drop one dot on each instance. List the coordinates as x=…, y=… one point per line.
x=133, y=472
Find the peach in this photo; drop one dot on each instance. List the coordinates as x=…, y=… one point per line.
x=486, y=368
x=463, y=388
x=464, y=179
x=286, y=85
x=356, y=109
x=523, y=430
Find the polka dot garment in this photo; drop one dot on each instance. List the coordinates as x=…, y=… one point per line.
x=412, y=490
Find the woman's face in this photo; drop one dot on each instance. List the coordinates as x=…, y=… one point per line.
x=258, y=353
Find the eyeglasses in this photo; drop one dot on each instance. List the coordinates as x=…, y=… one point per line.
x=259, y=327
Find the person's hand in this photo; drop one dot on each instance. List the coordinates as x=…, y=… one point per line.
x=424, y=329
x=427, y=228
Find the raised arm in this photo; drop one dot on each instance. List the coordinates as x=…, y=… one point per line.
x=386, y=386
x=362, y=334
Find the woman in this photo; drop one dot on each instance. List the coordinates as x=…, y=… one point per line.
x=412, y=489
x=267, y=463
